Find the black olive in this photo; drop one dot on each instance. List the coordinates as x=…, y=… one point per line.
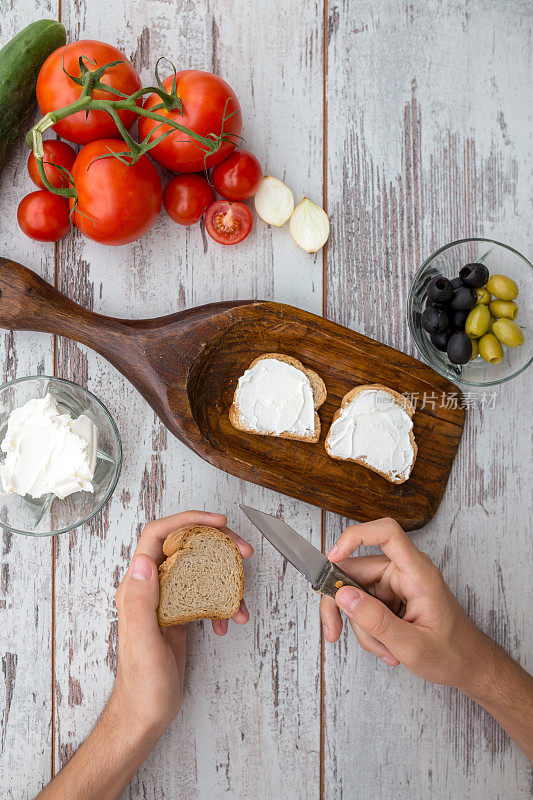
x=439, y=289
x=459, y=348
x=464, y=298
x=440, y=340
x=474, y=275
x=459, y=319
x=434, y=304
x=434, y=320
x=456, y=282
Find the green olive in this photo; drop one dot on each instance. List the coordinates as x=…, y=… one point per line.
x=502, y=287
x=503, y=308
x=491, y=323
x=483, y=296
x=490, y=349
x=475, y=348
x=477, y=321
x=508, y=332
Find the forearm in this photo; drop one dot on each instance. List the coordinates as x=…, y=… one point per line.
x=505, y=690
x=105, y=763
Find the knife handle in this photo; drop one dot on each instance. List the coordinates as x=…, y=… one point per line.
x=333, y=578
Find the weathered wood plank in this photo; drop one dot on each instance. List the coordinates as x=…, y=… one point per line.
x=25, y=574
x=426, y=144
x=429, y=141
x=250, y=717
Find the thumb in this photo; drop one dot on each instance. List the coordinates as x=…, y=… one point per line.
x=141, y=598
x=376, y=619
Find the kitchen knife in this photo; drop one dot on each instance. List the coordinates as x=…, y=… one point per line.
x=324, y=576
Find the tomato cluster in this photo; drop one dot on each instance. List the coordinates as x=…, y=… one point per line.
x=41, y=215
x=118, y=198
x=188, y=197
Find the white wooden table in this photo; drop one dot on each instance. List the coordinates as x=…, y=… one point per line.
x=412, y=123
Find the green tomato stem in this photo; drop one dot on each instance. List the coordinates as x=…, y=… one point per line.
x=89, y=82
x=64, y=191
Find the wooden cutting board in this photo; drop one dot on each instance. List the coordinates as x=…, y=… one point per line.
x=186, y=366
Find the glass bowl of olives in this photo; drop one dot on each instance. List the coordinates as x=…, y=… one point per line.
x=470, y=311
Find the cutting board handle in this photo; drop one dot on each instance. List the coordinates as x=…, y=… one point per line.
x=29, y=303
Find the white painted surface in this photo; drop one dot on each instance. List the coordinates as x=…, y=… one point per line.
x=25, y=564
x=428, y=138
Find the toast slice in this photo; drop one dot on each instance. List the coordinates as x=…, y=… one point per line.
x=201, y=578
x=403, y=402
x=318, y=390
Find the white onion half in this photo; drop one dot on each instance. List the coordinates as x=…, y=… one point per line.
x=309, y=226
x=274, y=201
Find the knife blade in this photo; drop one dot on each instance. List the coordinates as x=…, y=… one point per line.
x=297, y=550
x=324, y=576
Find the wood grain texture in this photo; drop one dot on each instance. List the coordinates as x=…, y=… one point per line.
x=428, y=141
x=187, y=366
x=25, y=564
x=251, y=704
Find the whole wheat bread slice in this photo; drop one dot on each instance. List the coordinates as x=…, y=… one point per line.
x=402, y=401
x=201, y=578
x=319, y=395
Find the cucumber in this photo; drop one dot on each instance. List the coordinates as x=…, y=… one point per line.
x=20, y=62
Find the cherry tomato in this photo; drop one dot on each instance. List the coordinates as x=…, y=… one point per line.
x=55, y=89
x=238, y=177
x=58, y=153
x=205, y=97
x=186, y=197
x=117, y=203
x=44, y=216
x=228, y=223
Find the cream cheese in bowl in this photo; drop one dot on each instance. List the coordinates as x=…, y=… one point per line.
x=47, y=451
x=60, y=455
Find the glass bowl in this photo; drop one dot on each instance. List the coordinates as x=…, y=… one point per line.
x=499, y=258
x=48, y=514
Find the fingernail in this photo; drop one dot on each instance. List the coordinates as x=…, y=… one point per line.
x=141, y=569
x=348, y=598
x=326, y=631
x=243, y=608
x=333, y=552
x=388, y=660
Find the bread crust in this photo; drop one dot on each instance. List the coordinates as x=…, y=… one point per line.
x=178, y=543
x=318, y=388
x=402, y=401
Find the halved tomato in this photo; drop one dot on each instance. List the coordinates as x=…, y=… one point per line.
x=228, y=223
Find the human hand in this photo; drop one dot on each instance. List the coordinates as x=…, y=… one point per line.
x=434, y=638
x=151, y=662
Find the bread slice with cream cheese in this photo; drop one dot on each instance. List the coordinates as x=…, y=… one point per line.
x=201, y=578
x=373, y=427
x=278, y=396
